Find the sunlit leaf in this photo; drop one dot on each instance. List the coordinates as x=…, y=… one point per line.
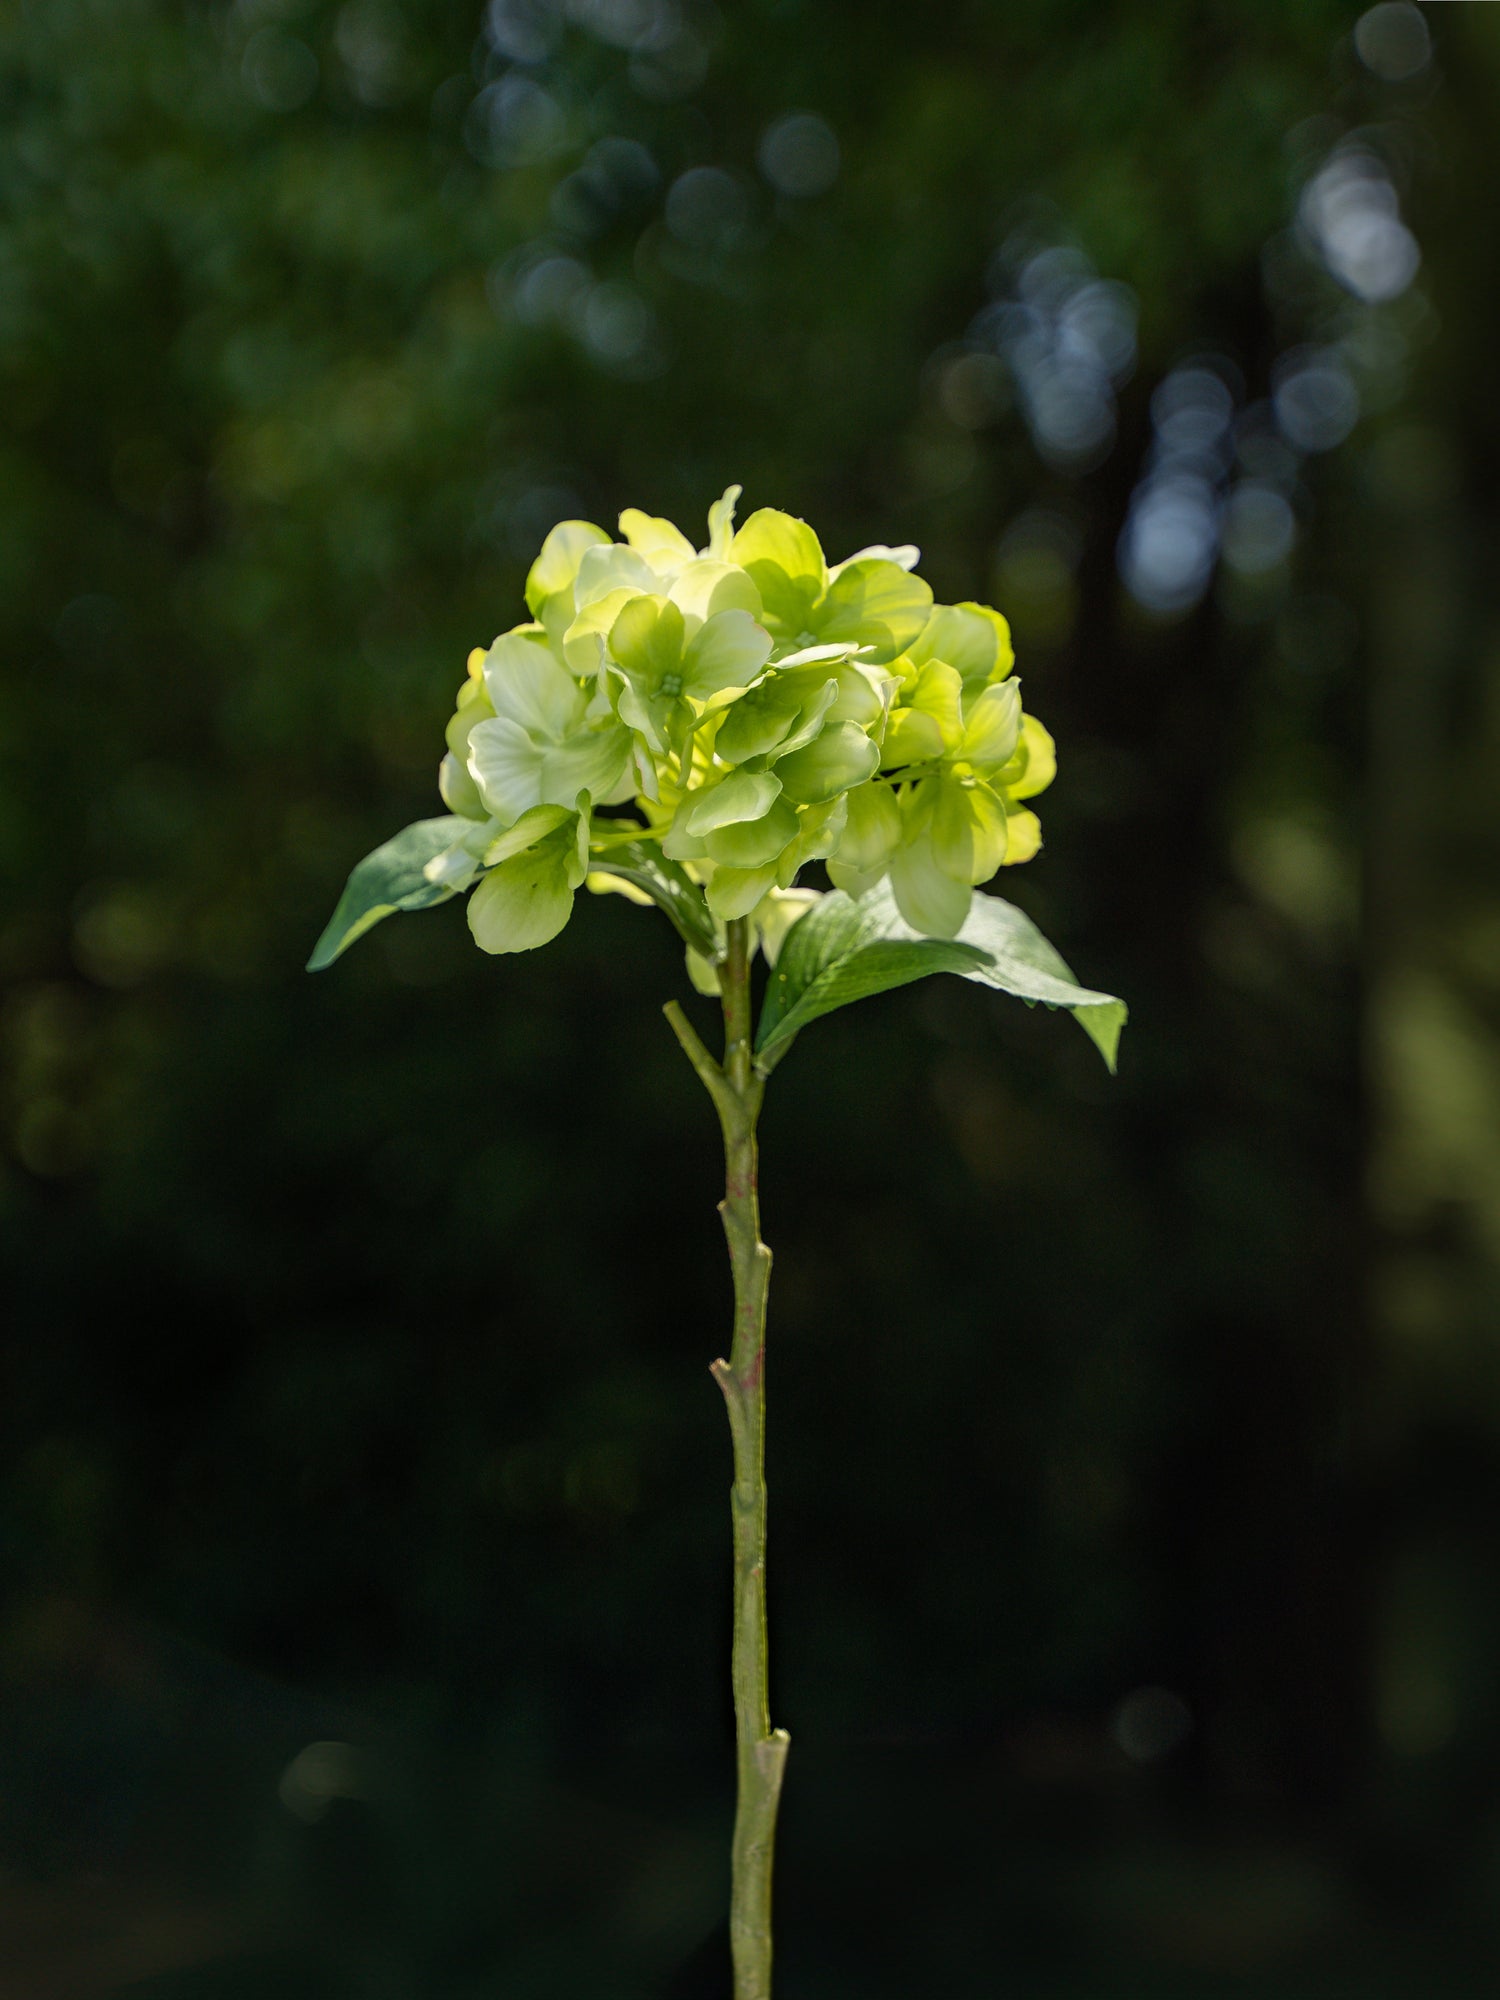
x=843, y=951
x=388, y=880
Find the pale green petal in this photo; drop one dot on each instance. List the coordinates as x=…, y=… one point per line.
x=785, y=561
x=677, y=843
x=661, y=544
x=758, y=721
x=876, y=603
x=967, y=637
x=939, y=692
x=754, y=843
x=872, y=832
x=473, y=706
x=549, y=587
x=842, y=756
x=527, y=684
x=818, y=698
x=593, y=761
x=721, y=523
x=649, y=717
x=854, y=882
x=930, y=900
x=515, y=771
x=808, y=656
x=1023, y=836
x=506, y=765
x=734, y=892
x=911, y=737
x=459, y=792
x=1005, y=652
x=531, y=827
x=966, y=829
x=455, y=868
x=992, y=728
x=599, y=882
x=743, y=795
x=612, y=567
x=527, y=900
x=703, y=974
x=705, y=587
x=864, y=695
x=646, y=639
x=906, y=555
x=585, y=644
x=1034, y=766
x=819, y=831
x=729, y=651
x=779, y=712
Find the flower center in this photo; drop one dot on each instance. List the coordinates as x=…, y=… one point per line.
x=671, y=686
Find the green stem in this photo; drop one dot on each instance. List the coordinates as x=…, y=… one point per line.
x=736, y=1091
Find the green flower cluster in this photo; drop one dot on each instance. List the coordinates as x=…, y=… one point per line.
x=733, y=713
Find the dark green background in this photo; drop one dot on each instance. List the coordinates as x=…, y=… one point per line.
x=357, y=1328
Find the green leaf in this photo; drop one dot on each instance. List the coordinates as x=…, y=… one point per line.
x=670, y=887
x=1022, y=962
x=843, y=950
x=389, y=879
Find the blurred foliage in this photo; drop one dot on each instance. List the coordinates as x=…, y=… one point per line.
x=356, y=1389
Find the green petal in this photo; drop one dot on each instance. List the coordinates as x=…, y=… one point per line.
x=872, y=832
x=968, y=636
x=648, y=715
x=514, y=771
x=1023, y=836
x=753, y=843
x=759, y=720
x=785, y=561
x=585, y=644
x=842, y=756
x=646, y=639
x=473, y=706
x=729, y=651
x=531, y=827
x=734, y=892
x=703, y=974
x=992, y=728
x=906, y=555
x=818, y=697
x=1034, y=765
x=930, y=719
x=506, y=766
x=911, y=737
x=743, y=795
x=611, y=568
x=659, y=542
x=721, y=523
x=877, y=603
x=527, y=899
x=459, y=792
x=966, y=828
x=549, y=587
x=855, y=882
x=705, y=587
x=527, y=684
x=930, y=900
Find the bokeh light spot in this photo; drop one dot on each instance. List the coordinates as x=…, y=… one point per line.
x=1392, y=41
x=799, y=155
